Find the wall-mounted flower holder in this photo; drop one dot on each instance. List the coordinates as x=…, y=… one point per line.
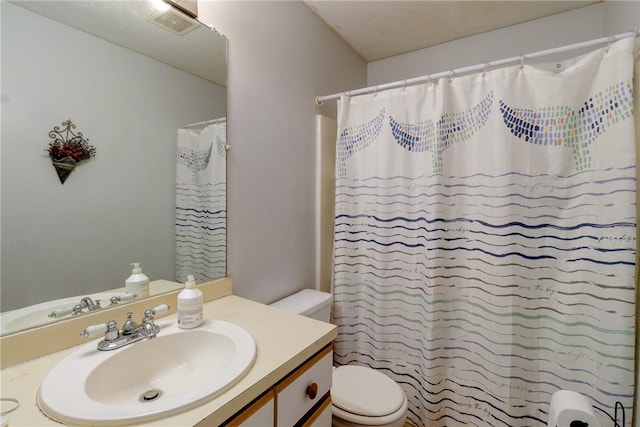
x=68, y=149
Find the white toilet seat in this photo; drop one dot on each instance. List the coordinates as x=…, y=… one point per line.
x=364, y=396
x=369, y=421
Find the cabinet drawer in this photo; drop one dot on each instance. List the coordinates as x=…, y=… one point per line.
x=302, y=389
x=261, y=413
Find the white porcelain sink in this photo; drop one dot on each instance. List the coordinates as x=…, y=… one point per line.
x=148, y=379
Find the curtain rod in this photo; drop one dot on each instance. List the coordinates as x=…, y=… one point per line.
x=479, y=67
x=206, y=122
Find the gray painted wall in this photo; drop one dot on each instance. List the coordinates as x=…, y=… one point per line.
x=281, y=56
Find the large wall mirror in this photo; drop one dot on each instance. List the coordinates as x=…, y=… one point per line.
x=131, y=78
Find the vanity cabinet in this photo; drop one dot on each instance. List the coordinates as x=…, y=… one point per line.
x=301, y=398
x=302, y=390
x=275, y=392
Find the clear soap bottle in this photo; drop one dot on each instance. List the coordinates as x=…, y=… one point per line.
x=190, y=303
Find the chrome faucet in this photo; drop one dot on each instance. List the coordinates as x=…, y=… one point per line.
x=85, y=303
x=90, y=305
x=131, y=331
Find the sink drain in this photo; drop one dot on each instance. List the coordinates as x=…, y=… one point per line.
x=150, y=395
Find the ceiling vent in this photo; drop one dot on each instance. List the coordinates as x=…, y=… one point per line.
x=173, y=21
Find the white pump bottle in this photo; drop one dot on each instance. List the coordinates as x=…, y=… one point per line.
x=138, y=282
x=190, y=303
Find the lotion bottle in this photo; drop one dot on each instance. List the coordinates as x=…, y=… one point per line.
x=138, y=282
x=190, y=305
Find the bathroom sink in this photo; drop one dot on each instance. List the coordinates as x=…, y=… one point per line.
x=148, y=379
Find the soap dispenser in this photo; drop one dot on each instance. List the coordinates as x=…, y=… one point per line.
x=138, y=282
x=190, y=305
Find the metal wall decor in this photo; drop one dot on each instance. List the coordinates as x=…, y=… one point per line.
x=68, y=149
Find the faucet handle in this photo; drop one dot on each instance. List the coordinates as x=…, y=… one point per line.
x=93, y=330
x=150, y=312
x=110, y=330
x=59, y=312
x=161, y=309
x=126, y=297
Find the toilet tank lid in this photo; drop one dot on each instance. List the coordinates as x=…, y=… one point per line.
x=304, y=302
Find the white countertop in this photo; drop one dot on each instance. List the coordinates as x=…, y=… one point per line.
x=283, y=342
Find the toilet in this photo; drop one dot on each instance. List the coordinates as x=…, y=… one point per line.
x=360, y=396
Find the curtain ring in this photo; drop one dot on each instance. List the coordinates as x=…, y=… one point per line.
x=375, y=90
x=611, y=40
x=318, y=102
x=486, y=69
x=522, y=58
x=452, y=74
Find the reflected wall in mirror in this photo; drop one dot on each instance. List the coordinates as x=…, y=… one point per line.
x=128, y=84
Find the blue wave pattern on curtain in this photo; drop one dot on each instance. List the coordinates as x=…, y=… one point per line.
x=201, y=210
x=485, y=240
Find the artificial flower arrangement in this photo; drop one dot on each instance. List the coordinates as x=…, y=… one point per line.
x=68, y=149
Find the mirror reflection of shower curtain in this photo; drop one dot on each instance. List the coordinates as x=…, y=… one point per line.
x=201, y=211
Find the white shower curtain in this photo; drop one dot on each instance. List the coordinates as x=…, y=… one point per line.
x=201, y=203
x=485, y=240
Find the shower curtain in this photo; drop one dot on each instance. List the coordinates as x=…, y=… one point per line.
x=485, y=240
x=201, y=197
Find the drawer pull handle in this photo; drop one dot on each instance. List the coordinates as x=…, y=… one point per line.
x=312, y=390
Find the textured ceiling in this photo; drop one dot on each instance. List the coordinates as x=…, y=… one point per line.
x=375, y=29
x=381, y=29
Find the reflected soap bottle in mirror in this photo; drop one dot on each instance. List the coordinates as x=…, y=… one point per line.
x=138, y=282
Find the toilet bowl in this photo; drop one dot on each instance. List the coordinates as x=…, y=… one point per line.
x=360, y=396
